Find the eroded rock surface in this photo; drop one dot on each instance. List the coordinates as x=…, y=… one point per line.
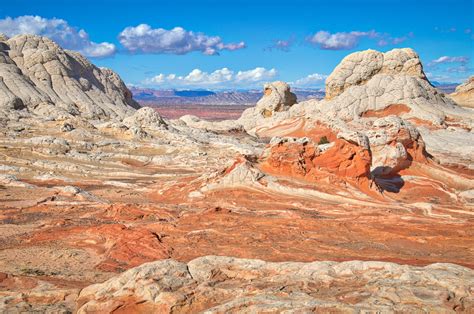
x=37, y=74
x=222, y=284
x=464, y=93
x=362, y=178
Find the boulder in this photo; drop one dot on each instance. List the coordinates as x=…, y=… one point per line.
x=395, y=144
x=145, y=117
x=276, y=97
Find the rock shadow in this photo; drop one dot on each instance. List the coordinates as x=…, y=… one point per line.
x=385, y=180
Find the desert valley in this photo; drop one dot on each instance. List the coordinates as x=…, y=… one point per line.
x=356, y=197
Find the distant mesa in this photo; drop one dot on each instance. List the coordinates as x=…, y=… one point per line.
x=164, y=97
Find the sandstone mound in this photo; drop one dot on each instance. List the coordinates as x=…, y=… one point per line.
x=357, y=68
x=464, y=93
x=145, y=117
x=224, y=284
x=276, y=97
x=372, y=81
x=37, y=74
x=368, y=85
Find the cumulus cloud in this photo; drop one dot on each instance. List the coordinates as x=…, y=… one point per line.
x=219, y=78
x=386, y=39
x=460, y=69
x=312, y=80
x=283, y=45
x=349, y=40
x=447, y=59
x=339, y=41
x=144, y=39
x=58, y=30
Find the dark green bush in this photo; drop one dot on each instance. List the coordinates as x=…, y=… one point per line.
x=323, y=140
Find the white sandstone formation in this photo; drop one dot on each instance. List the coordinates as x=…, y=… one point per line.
x=464, y=93
x=276, y=97
x=372, y=81
x=145, y=117
x=217, y=284
x=41, y=77
x=357, y=68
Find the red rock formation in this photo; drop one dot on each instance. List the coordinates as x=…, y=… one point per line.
x=303, y=159
x=395, y=109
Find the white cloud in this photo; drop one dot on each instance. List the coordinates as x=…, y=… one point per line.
x=219, y=78
x=447, y=59
x=312, y=80
x=460, y=69
x=281, y=44
x=144, y=39
x=256, y=75
x=339, y=41
x=349, y=40
x=58, y=30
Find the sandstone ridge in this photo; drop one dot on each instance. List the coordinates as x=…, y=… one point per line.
x=39, y=76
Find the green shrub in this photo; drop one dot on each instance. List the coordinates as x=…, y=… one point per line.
x=323, y=140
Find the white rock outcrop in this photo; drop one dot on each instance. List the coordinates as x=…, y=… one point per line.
x=145, y=117
x=38, y=75
x=464, y=93
x=218, y=284
x=276, y=97
x=372, y=81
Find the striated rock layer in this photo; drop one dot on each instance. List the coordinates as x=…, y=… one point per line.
x=365, y=175
x=38, y=75
x=464, y=94
x=222, y=284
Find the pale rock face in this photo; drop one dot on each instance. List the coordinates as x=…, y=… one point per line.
x=372, y=81
x=145, y=117
x=371, y=84
x=241, y=174
x=357, y=68
x=37, y=74
x=276, y=97
x=218, y=284
x=224, y=126
x=390, y=137
x=464, y=94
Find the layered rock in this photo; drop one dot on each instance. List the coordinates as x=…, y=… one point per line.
x=368, y=85
x=359, y=67
x=145, y=117
x=276, y=97
x=372, y=81
x=83, y=201
x=395, y=144
x=223, y=284
x=464, y=94
x=37, y=74
x=304, y=159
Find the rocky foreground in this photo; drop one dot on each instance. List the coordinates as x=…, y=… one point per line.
x=360, y=201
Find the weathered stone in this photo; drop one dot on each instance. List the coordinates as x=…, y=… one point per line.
x=464, y=94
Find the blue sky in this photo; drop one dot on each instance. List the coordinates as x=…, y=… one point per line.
x=240, y=44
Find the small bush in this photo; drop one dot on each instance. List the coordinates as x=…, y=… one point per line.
x=323, y=140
